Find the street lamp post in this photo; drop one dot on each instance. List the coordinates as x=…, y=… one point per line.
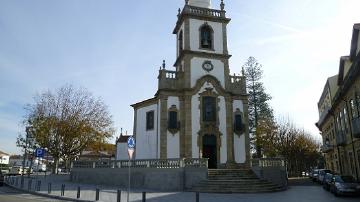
x=27, y=138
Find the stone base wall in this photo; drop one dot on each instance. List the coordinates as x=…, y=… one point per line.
x=157, y=179
x=276, y=175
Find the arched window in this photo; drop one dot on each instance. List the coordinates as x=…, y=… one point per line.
x=206, y=37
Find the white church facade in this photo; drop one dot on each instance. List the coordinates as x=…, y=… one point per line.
x=199, y=110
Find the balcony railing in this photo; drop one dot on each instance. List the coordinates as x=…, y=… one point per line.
x=340, y=138
x=326, y=149
x=144, y=163
x=237, y=84
x=356, y=127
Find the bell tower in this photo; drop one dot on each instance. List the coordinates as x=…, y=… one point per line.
x=201, y=33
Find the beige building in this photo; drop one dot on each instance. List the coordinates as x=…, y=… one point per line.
x=339, y=112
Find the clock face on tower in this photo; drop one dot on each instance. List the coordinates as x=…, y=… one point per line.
x=207, y=66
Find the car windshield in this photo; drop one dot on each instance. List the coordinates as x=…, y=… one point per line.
x=344, y=179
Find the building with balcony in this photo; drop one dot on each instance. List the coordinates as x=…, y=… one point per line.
x=339, y=113
x=199, y=109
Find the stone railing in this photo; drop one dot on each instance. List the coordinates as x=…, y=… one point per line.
x=237, y=84
x=144, y=163
x=204, y=11
x=268, y=162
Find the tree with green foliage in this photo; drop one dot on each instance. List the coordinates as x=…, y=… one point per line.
x=260, y=112
x=67, y=121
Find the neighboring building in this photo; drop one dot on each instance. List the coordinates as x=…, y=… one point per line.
x=199, y=110
x=99, y=151
x=17, y=160
x=4, y=158
x=121, y=147
x=339, y=109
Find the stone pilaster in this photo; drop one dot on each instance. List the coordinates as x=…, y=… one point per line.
x=163, y=127
x=182, y=126
x=230, y=163
x=188, y=127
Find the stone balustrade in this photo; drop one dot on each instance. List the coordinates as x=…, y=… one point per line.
x=268, y=162
x=193, y=10
x=144, y=163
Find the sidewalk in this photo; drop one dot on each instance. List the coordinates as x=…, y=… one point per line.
x=52, y=186
x=299, y=193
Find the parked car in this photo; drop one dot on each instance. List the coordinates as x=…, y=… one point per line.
x=322, y=173
x=314, y=174
x=327, y=181
x=1, y=179
x=344, y=185
x=16, y=170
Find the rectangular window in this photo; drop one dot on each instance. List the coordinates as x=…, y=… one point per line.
x=209, y=109
x=173, y=123
x=150, y=120
x=238, y=122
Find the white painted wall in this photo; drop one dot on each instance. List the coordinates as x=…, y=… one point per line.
x=239, y=148
x=239, y=142
x=121, y=151
x=197, y=71
x=194, y=36
x=222, y=128
x=173, y=140
x=200, y=3
x=146, y=140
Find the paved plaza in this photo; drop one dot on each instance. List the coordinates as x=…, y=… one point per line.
x=303, y=191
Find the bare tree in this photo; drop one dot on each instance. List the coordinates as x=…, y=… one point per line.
x=67, y=121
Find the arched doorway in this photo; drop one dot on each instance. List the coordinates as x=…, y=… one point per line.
x=209, y=150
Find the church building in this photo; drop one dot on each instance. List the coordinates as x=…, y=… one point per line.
x=199, y=109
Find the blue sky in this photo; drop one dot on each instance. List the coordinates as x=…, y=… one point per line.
x=114, y=49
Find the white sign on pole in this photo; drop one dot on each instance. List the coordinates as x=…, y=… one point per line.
x=130, y=153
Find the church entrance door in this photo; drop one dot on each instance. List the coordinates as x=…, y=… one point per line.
x=209, y=150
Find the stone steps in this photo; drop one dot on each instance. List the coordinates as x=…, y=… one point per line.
x=234, y=181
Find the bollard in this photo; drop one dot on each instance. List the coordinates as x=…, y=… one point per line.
x=29, y=184
x=144, y=197
x=38, y=185
x=78, y=193
x=118, y=196
x=49, y=188
x=62, y=189
x=22, y=183
x=197, y=197
x=97, y=194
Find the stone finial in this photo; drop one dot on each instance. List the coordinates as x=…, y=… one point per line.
x=186, y=2
x=179, y=13
x=222, y=5
x=163, y=64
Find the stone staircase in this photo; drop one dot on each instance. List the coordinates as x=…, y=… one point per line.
x=234, y=181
